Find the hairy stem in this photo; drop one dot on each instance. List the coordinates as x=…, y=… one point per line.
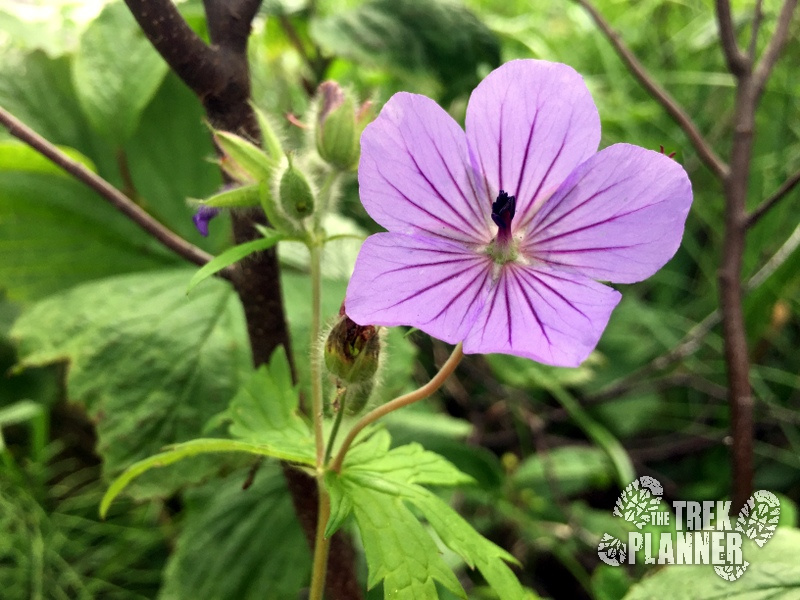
x=426, y=390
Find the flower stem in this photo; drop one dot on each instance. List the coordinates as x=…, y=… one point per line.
x=321, y=544
x=316, y=366
x=426, y=390
x=342, y=397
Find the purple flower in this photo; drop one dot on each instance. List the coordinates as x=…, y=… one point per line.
x=497, y=236
x=201, y=218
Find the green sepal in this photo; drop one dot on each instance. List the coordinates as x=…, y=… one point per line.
x=269, y=140
x=252, y=160
x=275, y=215
x=243, y=196
x=295, y=193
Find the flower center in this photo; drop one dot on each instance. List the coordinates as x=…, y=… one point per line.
x=503, y=249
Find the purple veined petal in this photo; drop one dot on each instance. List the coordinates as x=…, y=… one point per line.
x=530, y=123
x=414, y=175
x=540, y=313
x=618, y=217
x=438, y=287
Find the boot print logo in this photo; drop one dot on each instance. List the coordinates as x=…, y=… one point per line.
x=704, y=533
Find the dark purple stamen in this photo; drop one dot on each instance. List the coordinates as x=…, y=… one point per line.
x=503, y=212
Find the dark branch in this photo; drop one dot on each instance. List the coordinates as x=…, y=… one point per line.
x=120, y=201
x=229, y=22
x=187, y=55
x=758, y=17
x=737, y=62
x=775, y=46
x=783, y=191
x=701, y=145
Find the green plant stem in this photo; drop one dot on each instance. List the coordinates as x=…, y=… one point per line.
x=316, y=366
x=426, y=390
x=321, y=545
x=342, y=397
x=325, y=196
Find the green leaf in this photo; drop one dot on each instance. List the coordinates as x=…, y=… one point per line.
x=150, y=365
x=439, y=37
x=16, y=156
x=195, y=447
x=232, y=255
x=773, y=574
x=239, y=544
x=57, y=233
x=116, y=73
x=264, y=412
x=576, y=469
x=376, y=484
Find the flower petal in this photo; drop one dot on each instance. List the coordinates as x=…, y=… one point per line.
x=530, y=123
x=413, y=175
x=542, y=314
x=435, y=286
x=619, y=217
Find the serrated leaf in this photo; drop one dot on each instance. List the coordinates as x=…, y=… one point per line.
x=116, y=72
x=150, y=365
x=264, y=412
x=376, y=483
x=232, y=255
x=239, y=544
x=440, y=37
x=399, y=550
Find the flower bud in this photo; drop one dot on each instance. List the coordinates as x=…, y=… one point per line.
x=243, y=160
x=295, y=193
x=337, y=132
x=356, y=396
x=352, y=352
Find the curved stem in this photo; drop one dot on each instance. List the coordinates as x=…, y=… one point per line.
x=426, y=390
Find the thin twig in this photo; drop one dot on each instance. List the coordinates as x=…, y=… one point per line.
x=783, y=191
x=774, y=46
x=758, y=17
x=737, y=62
x=701, y=145
x=120, y=201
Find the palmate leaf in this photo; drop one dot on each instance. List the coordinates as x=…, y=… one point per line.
x=263, y=417
x=239, y=544
x=377, y=484
x=149, y=365
x=116, y=73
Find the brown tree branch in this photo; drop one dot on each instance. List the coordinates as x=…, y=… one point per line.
x=736, y=61
x=783, y=191
x=758, y=17
x=774, y=47
x=662, y=96
x=750, y=85
x=120, y=201
x=219, y=75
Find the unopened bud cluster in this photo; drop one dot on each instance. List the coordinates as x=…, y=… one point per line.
x=352, y=354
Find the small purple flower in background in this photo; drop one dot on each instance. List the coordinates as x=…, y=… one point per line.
x=201, y=218
x=496, y=236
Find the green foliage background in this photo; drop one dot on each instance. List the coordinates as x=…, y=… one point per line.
x=105, y=359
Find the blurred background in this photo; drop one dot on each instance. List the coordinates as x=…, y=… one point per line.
x=104, y=359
